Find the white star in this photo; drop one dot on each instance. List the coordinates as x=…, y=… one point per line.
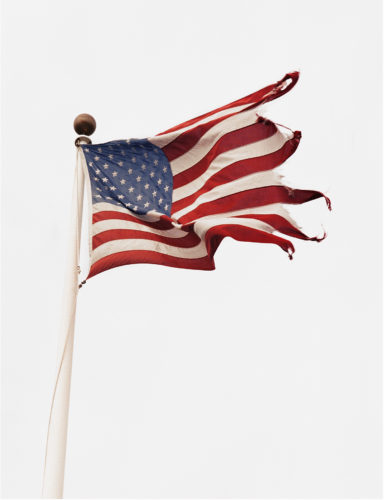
x=108, y=198
x=166, y=207
x=146, y=204
x=155, y=162
x=138, y=178
x=112, y=188
x=98, y=189
x=95, y=178
x=121, y=196
x=128, y=204
x=105, y=179
x=97, y=195
x=133, y=159
x=131, y=189
x=154, y=193
x=138, y=198
x=128, y=141
x=97, y=158
x=166, y=188
x=146, y=186
x=120, y=163
x=135, y=208
x=91, y=163
x=145, y=155
x=86, y=150
x=99, y=150
x=105, y=165
x=159, y=182
x=152, y=174
x=143, y=166
x=160, y=201
x=97, y=170
x=110, y=157
x=114, y=173
x=129, y=171
x=122, y=181
x=164, y=169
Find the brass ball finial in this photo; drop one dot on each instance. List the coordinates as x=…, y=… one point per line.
x=84, y=124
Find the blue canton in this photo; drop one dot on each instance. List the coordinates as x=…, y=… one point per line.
x=132, y=173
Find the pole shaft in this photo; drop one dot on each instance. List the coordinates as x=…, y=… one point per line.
x=53, y=481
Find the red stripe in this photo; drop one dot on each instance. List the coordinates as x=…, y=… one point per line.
x=189, y=138
x=253, y=198
x=188, y=241
x=254, y=99
x=258, y=131
x=213, y=238
x=216, y=234
x=240, y=169
x=164, y=222
x=149, y=257
x=281, y=224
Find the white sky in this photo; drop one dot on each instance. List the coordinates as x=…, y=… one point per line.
x=260, y=379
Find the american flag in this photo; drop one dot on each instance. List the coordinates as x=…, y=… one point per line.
x=171, y=199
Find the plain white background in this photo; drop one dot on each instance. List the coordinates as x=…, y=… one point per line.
x=260, y=379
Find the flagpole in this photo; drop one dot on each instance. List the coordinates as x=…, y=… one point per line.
x=53, y=479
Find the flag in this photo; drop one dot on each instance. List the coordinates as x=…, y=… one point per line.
x=171, y=199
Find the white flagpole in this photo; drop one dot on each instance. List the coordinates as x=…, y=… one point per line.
x=53, y=480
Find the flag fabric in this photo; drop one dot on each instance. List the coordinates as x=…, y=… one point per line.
x=171, y=199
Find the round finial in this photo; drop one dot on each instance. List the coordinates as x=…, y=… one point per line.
x=84, y=124
x=82, y=140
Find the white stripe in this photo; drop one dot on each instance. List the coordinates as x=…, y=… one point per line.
x=111, y=224
x=151, y=216
x=273, y=208
x=162, y=140
x=205, y=143
x=116, y=246
x=202, y=226
x=252, y=181
x=253, y=150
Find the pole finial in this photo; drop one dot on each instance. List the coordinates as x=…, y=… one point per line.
x=84, y=124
